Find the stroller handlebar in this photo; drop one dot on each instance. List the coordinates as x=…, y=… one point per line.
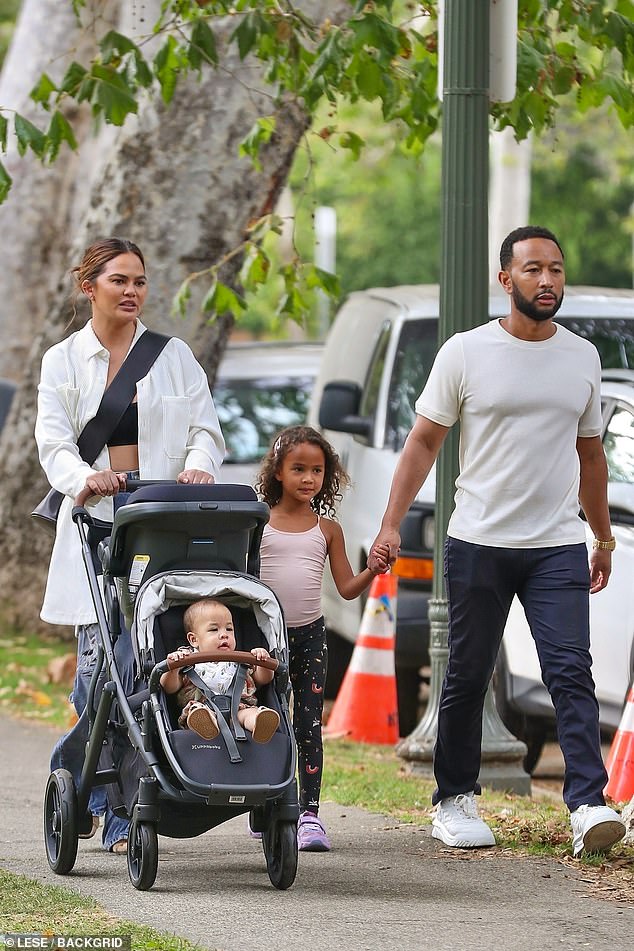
x=214, y=657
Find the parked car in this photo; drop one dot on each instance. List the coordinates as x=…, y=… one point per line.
x=260, y=389
x=376, y=359
x=522, y=699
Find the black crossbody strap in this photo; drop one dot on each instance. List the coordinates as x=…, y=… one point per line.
x=119, y=394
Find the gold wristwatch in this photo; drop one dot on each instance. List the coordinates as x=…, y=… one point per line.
x=599, y=545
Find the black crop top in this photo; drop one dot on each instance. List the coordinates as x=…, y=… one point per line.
x=127, y=431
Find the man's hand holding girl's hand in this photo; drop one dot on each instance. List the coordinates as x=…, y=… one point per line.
x=379, y=559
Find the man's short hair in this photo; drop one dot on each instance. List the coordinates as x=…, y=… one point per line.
x=523, y=234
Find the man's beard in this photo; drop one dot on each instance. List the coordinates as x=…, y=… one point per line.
x=529, y=309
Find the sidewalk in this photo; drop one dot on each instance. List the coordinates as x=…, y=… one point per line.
x=384, y=887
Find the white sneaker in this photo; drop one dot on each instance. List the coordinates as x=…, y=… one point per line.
x=458, y=823
x=595, y=829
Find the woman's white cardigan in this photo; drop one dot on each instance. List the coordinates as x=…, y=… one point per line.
x=178, y=429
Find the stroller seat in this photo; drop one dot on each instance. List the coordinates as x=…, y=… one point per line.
x=204, y=759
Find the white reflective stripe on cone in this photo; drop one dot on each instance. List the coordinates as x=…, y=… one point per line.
x=372, y=660
x=627, y=720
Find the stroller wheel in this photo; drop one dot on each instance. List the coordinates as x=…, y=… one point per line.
x=142, y=855
x=61, y=820
x=280, y=849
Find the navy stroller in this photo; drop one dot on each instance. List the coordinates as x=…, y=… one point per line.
x=168, y=546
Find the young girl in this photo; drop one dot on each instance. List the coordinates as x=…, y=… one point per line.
x=300, y=480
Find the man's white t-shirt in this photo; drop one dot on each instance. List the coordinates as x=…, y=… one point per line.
x=521, y=406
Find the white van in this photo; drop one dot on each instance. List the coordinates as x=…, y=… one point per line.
x=375, y=362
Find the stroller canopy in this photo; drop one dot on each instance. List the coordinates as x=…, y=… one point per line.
x=182, y=587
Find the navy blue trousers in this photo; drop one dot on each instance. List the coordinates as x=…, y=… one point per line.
x=552, y=584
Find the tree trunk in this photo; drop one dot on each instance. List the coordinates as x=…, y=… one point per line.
x=170, y=180
x=38, y=218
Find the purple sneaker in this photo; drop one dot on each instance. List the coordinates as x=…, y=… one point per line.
x=254, y=835
x=311, y=835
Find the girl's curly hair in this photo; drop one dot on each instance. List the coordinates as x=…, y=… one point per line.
x=335, y=476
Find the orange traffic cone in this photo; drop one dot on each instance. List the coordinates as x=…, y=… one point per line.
x=620, y=761
x=366, y=707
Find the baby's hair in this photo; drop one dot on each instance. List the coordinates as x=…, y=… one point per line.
x=191, y=614
x=335, y=476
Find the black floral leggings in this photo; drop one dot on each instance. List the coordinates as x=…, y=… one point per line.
x=308, y=664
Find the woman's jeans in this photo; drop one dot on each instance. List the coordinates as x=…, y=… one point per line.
x=552, y=585
x=70, y=749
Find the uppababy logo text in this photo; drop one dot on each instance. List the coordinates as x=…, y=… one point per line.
x=55, y=941
x=205, y=746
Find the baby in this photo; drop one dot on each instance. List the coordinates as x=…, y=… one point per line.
x=209, y=627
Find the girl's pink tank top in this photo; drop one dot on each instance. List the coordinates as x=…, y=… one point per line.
x=292, y=565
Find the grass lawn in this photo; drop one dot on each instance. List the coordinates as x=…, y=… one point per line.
x=26, y=689
x=27, y=907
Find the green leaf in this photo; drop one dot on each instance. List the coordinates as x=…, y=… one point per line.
x=202, y=47
x=73, y=78
x=328, y=53
x=115, y=43
x=183, y=295
x=142, y=72
x=370, y=78
x=221, y=299
x=255, y=268
x=618, y=91
x=259, y=134
x=258, y=228
x=293, y=305
x=4, y=128
x=166, y=66
x=5, y=182
x=29, y=136
x=563, y=79
x=325, y=281
x=59, y=131
x=43, y=89
x=374, y=31
x=228, y=300
x=350, y=140
x=246, y=35
x=111, y=94
x=620, y=29
x=565, y=50
x=208, y=305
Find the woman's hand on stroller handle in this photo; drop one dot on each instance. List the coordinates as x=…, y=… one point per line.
x=101, y=484
x=195, y=477
x=124, y=484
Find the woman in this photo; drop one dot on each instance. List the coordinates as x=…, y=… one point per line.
x=169, y=431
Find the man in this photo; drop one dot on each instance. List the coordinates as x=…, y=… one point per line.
x=526, y=393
